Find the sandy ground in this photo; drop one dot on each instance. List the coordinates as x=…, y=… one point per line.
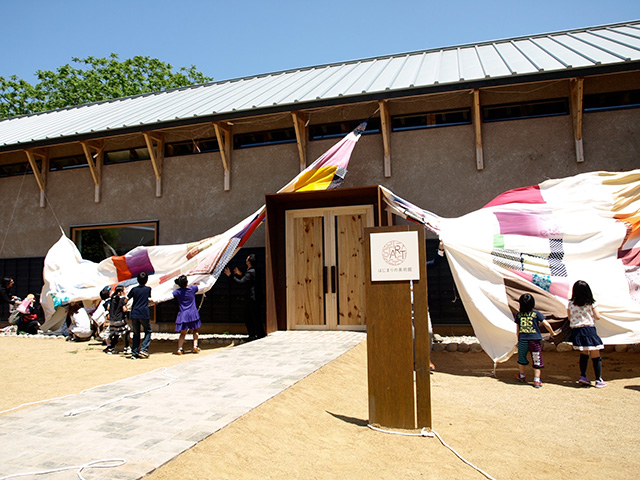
x=317, y=429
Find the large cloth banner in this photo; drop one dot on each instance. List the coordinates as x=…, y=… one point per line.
x=540, y=240
x=69, y=278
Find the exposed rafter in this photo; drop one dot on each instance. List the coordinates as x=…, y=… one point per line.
x=156, y=154
x=39, y=174
x=385, y=125
x=93, y=152
x=223, y=134
x=577, y=95
x=477, y=125
x=300, y=125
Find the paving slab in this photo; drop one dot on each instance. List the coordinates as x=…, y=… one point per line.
x=149, y=419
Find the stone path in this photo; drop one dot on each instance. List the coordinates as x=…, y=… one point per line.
x=149, y=419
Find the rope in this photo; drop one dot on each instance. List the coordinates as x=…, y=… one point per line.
x=83, y=391
x=72, y=413
x=115, y=462
x=430, y=433
x=15, y=205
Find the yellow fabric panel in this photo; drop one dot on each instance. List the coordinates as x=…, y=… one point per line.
x=318, y=179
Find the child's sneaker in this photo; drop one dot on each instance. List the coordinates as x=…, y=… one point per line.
x=521, y=377
x=143, y=354
x=600, y=383
x=537, y=383
x=109, y=351
x=584, y=381
x=127, y=350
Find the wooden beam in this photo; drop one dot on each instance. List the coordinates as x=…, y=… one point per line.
x=86, y=148
x=44, y=172
x=576, y=96
x=299, y=123
x=223, y=134
x=385, y=125
x=31, y=157
x=477, y=124
x=156, y=154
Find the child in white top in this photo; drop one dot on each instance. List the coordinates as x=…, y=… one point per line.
x=582, y=315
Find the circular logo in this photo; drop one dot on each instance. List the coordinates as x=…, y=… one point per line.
x=394, y=252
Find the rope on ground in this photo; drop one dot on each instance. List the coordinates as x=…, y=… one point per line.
x=430, y=433
x=71, y=394
x=72, y=413
x=105, y=463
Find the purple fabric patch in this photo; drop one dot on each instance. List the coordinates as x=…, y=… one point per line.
x=138, y=262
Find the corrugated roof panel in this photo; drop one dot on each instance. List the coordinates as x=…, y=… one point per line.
x=492, y=63
x=514, y=59
x=317, y=77
x=588, y=50
x=624, y=51
x=429, y=69
x=345, y=85
x=562, y=53
x=602, y=45
x=538, y=57
x=470, y=67
x=448, y=71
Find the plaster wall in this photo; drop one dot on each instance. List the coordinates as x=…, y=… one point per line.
x=433, y=168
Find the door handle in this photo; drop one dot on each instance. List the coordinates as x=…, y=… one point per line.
x=333, y=279
x=324, y=279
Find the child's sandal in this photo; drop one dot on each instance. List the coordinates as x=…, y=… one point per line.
x=179, y=352
x=196, y=350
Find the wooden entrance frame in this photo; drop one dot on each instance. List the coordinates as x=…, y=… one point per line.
x=275, y=236
x=397, y=354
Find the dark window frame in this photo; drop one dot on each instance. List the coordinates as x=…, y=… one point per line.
x=524, y=110
x=602, y=102
x=435, y=119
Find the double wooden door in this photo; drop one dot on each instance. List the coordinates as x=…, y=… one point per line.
x=325, y=267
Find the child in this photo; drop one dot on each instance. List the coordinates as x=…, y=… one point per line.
x=117, y=323
x=582, y=315
x=188, y=316
x=99, y=316
x=529, y=338
x=140, y=316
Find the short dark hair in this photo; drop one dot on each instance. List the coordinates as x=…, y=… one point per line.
x=581, y=294
x=104, y=293
x=6, y=281
x=142, y=278
x=182, y=281
x=252, y=259
x=527, y=302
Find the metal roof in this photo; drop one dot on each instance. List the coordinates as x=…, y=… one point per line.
x=561, y=53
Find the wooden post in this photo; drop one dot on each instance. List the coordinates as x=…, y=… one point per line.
x=385, y=125
x=299, y=123
x=223, y=134
x=156, y=154
x=40, y=179
x=95, y=165
x=395, y=401
x=576, y=96
x=477, y=124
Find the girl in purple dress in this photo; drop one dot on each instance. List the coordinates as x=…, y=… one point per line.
x=188, y=316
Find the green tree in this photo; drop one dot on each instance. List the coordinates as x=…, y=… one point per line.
x=90, y=80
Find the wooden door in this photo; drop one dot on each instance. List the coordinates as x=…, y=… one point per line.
x=325, y=269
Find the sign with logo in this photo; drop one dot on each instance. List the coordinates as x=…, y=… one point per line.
x=394, y=256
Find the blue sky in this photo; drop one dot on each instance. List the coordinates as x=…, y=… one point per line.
x=230, y=39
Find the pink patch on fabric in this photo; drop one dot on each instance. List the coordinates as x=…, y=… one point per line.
x=559, y=286
x=139, y=262
x=630, y=257
x=529, y=195
x=529, y=224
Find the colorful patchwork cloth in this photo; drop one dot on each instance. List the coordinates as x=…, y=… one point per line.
x=540, y=240
x=69, y=278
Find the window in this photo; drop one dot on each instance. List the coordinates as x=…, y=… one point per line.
x=191, y=147
x=430, y=120
x=513, y=111
x=97, y=242
x=611, y=101
x=258, y=139
x=67, y=163
x=128, y=155
x=16, y=169
x=340, y=129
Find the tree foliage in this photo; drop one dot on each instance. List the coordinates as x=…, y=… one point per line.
x=92, y=79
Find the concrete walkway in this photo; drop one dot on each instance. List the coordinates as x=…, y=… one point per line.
x=182, y=405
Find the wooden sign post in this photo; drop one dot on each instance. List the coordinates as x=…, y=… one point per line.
x=397, y=329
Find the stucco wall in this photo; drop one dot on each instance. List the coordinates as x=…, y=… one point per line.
x=433, y=168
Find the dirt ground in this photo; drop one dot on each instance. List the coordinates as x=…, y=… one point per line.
x=317, y=429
